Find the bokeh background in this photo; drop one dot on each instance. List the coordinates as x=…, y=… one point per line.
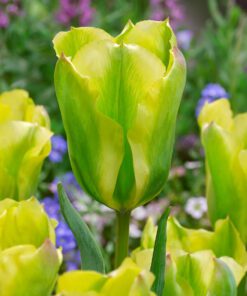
x=213, y=37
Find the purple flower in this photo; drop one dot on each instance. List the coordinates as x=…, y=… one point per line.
x=8, y=9
x=65, y=237
x=214, y=91
x=4, y=20
x=184, y=38
x=51, y=206
x=73, y=260
x=59, y=148
x=79, y=12
x=161, y=9
x=209, y=94
x=69, y=183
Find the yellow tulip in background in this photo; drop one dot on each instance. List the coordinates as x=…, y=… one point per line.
x=224, y=138
x=29, y=271
x=199, y=262
x=29, y=261
x=128, y=279
x=23, y=223
x=24, y=144
x=119, y=98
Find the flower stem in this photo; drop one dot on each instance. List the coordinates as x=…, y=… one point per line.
x=122, y=237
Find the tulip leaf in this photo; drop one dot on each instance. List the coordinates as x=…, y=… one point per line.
x=91, y=255
x=159, y=255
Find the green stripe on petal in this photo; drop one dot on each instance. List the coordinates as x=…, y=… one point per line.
x=152, y=136
x=95, y=141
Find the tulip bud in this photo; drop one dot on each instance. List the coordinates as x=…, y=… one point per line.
x=25, y=270
x=119, y=99
x=24, y=143
x=224, y=138
x=23, y=223
x=128, y=279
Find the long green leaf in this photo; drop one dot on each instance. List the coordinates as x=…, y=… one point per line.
x=159, y=255
x=91, y=255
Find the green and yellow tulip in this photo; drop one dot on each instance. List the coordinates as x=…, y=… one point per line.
x=27, y=270
x=24, y=144
x=224, y=138
x=119, y=98
x=128, y=279
x=24, y=223
x=199, y=262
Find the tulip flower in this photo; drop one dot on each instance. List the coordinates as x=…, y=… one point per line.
x=224, y=138
x=23, y=223
x=24, y=144
x=128, y=279
x=119, y=98
x=26, y=270
x=199, y=262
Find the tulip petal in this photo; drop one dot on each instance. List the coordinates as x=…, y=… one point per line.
x=133, y=76
x=226, y=181
x=89, y=133
x=23, y=147
x=22, y=270
x=70, y=42
x=155, y=123
x=156, y=36
x=17, y=105
x=218, y=112
x=80, y=281
x=24, y=222
x=240, y=128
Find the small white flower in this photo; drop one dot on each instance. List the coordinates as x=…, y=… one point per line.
x=196, y=207
x=135, y=232
x=140, y=213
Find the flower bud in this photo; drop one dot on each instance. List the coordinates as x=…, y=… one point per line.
x=119, y=99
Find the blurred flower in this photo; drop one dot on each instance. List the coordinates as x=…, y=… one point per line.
x=65, y=237
x=209, y=94
x=196, y=207
x=59, y=148
x=79, y=12
x=135, y=232
x=9, y=9
x=161, y=9
x=4, y=20
x=214, y=91
x=184, y=38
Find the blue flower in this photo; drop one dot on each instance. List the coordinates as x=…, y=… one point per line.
x=59, y=148
x=209, y=94
x=214, y=91
x=65, y=237
x=51, y=206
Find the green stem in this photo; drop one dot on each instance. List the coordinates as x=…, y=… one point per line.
x=122, y=237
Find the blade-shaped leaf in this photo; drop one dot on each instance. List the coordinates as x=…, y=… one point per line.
x=159, y=255
x=91, y=255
